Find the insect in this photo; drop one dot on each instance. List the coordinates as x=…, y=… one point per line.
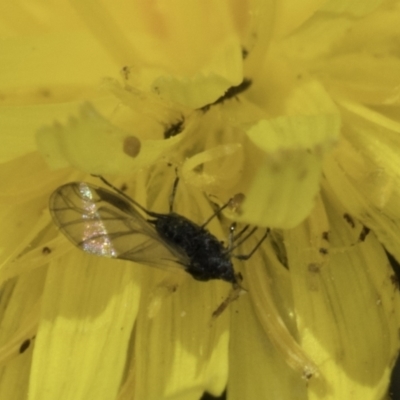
x=109, y=224
x=174, y=129
x=230, y=93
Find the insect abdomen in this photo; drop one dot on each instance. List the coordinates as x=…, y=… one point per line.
x=207, y=255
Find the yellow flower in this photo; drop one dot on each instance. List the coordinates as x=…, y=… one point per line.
x=312, y=142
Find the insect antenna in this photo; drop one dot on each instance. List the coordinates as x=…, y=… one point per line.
x=121, y=193
x=216, y=213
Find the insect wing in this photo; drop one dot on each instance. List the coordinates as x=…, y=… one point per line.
x=104, y=223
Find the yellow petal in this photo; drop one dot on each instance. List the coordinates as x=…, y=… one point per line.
x=197, y=91
x=283, y=190
x=163, y=34
x=376, y=33
x=19, y=316
x=346, y=305
x=88, y=309
x=179, y=346
x=291, y=14
x=92, y=144
x=20, y=122
x=257, y=369
x=364, y=173
x=15, y=378
x=50, y=61
x=314, y=40
x=158, y=38
x=19, y=222
x=270, y=289
x=364, y=78
x=38, y=18
x=351, y=7
x=26, y=178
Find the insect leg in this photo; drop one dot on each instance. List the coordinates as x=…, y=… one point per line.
x=236, y=291
x=247, y=256
x=233, y=237
x=237, y=236
x=172, y=196
x=243, y=239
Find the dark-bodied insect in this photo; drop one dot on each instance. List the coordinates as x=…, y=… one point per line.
x=174, y=129
x=233, y=91
x=108, y=224
x=24, y=345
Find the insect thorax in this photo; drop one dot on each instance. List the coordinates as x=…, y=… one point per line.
x=208, y=258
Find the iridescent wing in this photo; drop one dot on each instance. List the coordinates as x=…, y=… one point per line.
x=106, y=224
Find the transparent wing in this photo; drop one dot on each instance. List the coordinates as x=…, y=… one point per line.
x=106, y=224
